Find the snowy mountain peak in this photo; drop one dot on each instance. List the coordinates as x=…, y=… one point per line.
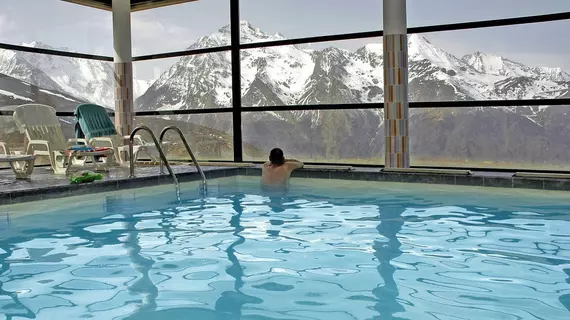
x=41, y=45
x=420, y=48
x=248, y=34
x=499, y=66
x=493, y=64
x=335, y=51
x=373, y=48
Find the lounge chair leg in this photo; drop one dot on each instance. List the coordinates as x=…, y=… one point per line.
x=67, y=163
x=25, y=172
x=101, y=167
x=111, y=160
x=136, y=155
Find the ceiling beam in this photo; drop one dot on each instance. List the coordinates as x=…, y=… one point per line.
x=135, y=6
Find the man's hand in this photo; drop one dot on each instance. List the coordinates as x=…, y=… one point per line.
x=294, y=164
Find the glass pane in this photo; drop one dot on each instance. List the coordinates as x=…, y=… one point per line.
x=333, y=136
x=55, y=24
x=324, y=73
x=209, y=135
x=515, y=62
x=192, y=25
x=526, y=138
x=269, y=20
x=60, y=82
x=453, y=11
x=191, y=82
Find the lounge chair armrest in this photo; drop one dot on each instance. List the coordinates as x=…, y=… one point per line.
x=75, y=141
x=39, y=142
x=137, y=139
x=44, y=143
x=105, y=140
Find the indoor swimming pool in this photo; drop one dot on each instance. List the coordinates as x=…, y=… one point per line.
x=328, y=249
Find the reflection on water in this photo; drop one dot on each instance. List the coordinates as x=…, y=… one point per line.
x=386, y=251
x=242, y=255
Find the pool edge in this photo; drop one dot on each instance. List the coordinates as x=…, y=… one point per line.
x=478, y=179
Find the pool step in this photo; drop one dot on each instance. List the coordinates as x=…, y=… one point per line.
x=324, y=167
x=543, y=175
x=429, y=171
x=225, y=164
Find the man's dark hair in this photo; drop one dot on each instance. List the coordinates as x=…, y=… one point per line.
x=276, y=157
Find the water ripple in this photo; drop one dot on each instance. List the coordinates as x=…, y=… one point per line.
x=351, y=253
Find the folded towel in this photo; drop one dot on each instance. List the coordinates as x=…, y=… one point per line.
x=79, y=148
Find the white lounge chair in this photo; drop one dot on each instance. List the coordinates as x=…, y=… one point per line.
x=45, y=138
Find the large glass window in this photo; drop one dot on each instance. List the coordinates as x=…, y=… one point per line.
x=499, y=63
x=435, y=12
x=266, y=20
x=192, y=25
x=191, y=82
x=333, y=136
x=522, y=138
x=58, y=25
x=325, y=73
x=502, y=63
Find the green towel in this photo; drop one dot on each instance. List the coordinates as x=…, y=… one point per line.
x=94, y=121
x=85, y=177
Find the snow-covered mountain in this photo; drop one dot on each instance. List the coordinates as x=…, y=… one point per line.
x=296, y=75
x=14, y=92
x=89, y=80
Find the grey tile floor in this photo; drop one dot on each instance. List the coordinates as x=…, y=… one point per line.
x=44, y=184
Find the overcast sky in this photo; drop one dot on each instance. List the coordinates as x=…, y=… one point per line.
x=88, y=30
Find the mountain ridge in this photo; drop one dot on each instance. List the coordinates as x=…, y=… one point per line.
x=290, y=73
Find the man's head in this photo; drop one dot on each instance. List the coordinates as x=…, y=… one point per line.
x=276, y=157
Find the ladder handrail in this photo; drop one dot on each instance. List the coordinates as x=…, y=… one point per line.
x=183, y=138
x=158, y=147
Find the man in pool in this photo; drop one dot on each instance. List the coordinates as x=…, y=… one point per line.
x=275, y=174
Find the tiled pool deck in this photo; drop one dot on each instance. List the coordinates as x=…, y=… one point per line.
x=45, y=185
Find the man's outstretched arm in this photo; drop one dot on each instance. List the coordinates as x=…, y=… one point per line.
x=294, y=164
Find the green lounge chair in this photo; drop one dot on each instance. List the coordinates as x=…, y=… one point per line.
x=99, y=130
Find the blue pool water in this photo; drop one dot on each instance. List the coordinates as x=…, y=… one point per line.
x=326, y=250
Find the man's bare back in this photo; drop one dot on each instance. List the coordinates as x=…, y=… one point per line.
x=277, y=171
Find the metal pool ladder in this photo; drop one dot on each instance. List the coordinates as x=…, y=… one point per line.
x=183, y=138
x=160, y=151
